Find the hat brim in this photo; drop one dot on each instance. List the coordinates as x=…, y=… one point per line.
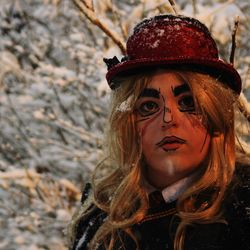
x=225, y=72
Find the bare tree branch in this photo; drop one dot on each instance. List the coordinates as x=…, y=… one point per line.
x=243, y=107
x=91, y=15
x=61, y=105
x=236, y=25
x=89, y=4
x=172, y=3
x=194, y=7
x=162, y=7
x=22, y=129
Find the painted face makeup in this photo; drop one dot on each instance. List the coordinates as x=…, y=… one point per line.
x=174, y=140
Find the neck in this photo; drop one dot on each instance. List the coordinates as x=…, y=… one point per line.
x=161, y=181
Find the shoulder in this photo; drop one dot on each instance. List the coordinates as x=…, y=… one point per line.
x=239, y=190
x=237, y=205
x=90, y=219
x=232, y=231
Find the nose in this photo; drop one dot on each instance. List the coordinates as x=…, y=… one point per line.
x=167, y=118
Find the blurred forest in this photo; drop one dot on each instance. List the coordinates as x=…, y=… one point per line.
x=54, y=100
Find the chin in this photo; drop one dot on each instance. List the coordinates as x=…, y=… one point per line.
x=172, y=168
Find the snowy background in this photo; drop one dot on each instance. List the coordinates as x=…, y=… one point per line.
x=54, y=99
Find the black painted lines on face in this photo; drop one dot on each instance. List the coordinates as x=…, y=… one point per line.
x=148, y=103
x=185, y=98
x=152, y=100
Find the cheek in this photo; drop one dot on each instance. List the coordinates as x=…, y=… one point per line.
x=200, y=139
x=205, y=143
x=148, y=126
x=147, y=131
x=196, y=132
x=195, y=121
x=193, y=124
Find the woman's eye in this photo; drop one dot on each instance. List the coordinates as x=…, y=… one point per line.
x=148, y=108
x=186, y=104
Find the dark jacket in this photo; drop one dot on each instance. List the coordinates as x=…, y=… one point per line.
x=156, y=231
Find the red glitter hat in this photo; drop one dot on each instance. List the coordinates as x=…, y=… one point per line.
x=172, y=41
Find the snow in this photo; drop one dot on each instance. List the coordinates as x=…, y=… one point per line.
x=126, y=105
x=219, y=18
x=155, y=44
x=54, y=103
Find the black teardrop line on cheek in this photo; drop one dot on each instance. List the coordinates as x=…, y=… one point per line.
x=204, y=142
x=143, y=119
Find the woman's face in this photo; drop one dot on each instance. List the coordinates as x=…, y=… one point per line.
x=174, y=140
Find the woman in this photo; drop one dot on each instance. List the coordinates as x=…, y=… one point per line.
x=172, y=181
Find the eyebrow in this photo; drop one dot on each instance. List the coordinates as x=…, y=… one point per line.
x=150, y=92
x=180, y=89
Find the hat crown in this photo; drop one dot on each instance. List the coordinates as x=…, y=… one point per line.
x=168, y=36
x=172, y=41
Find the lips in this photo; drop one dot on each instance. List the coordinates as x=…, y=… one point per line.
x=170, y=143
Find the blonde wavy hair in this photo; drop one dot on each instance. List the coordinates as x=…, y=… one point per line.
x=121, y=193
